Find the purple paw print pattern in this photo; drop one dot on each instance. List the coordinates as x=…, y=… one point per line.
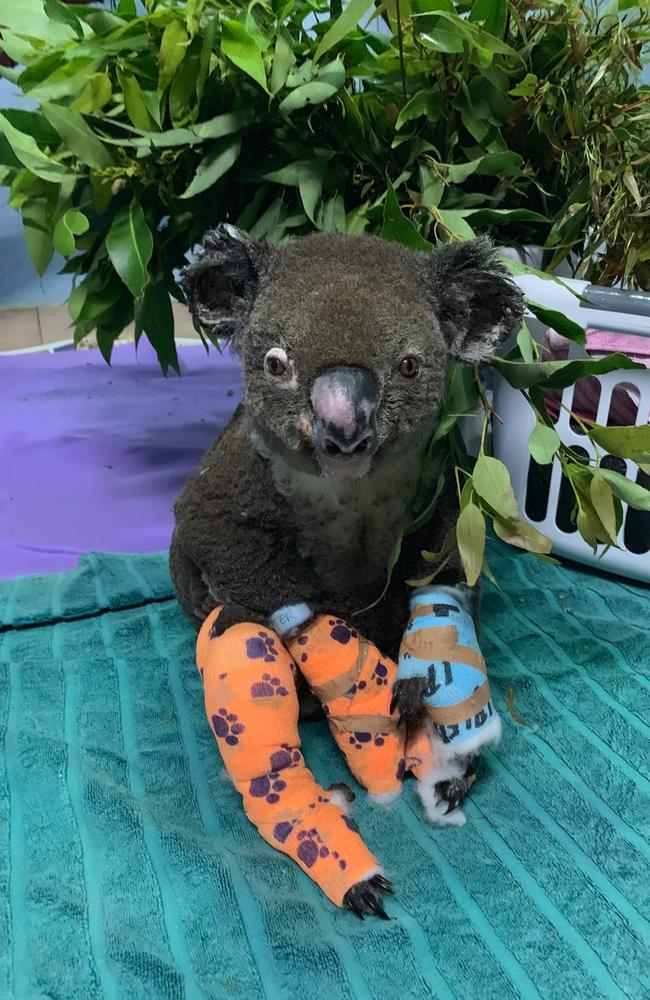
x=311, y=848
x=268, y=686
x=302, y=641
x=321, y=798
x=262, y=647
x=359, y=740
x=359, y=686
x=380, y=675
x=285, y=757
x=341, y=632
x=269, y=787
x=227, y=727
x=282, y=830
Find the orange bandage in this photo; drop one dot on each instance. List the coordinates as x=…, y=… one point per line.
x=354, y=682
x=252, y=705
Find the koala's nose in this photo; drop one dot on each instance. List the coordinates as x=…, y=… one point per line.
x=344, y=401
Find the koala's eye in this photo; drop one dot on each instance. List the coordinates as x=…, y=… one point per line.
x=409, y=367
x=276, y=362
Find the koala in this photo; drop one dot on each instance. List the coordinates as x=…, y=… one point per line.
x=344, y=343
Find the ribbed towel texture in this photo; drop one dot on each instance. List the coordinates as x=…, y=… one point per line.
x=128, y=869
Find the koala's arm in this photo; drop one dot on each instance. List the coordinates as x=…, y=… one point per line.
x=233, y=541
x=411, y=684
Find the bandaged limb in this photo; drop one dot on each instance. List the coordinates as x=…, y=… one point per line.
x=354, y=683
x=440, y=663
x=252, y=706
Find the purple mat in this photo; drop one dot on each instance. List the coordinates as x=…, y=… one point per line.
x=93, y=457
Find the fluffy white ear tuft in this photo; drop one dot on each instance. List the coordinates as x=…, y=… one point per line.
x=477, y=303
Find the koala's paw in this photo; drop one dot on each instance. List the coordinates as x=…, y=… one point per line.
x=408, y=698
x=455, y=790
x=365, y=898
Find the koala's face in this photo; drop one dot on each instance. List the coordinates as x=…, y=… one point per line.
x=343, y=356
x=345, y=341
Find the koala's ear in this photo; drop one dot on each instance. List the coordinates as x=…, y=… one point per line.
x=477, y=303
x=221, y=283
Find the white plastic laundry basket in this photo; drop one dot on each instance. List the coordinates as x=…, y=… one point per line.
x=544, y=498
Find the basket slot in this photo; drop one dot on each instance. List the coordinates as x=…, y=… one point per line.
x=637, y=523
x=538, y=485
x=624, y=405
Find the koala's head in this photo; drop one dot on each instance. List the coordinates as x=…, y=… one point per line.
x=345, y=340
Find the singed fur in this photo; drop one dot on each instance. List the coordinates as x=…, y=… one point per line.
x=258, y=524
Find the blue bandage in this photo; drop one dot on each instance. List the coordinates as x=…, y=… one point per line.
x=290, y=618
x=440, y=644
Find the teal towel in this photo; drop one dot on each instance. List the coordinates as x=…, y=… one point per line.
x=128, y=869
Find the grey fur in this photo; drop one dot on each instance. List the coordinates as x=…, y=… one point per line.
x=258, y=525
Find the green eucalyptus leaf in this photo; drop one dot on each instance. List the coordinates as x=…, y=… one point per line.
x=602, y=499
x=491, y=14
x=425, y=102
x=455, y=222
x=559, y=322
x=525, y=344
x=503, y=216
x=72, y=223
x=343, y=25
x=32, y=123
x=130, y=244
x=283, y=60
x=57, y=11
x=631, y=493
x=25, y=149
x=521, y=534
x=301, y=74
x=242, y=50
x=96, y=94
x=559, y=374
x=220, y=158
x=470, y=538
x=310, y=185
x=134, y=102
x=543, y=443
x=328, y=82
x=77, y=136
x=500, y=164
x=208, y=35
x=154, y=317
x=398, y=228
x=36, y=230
x=491, y=480
x=624, y=442
x=527, y=87
x=66, y=80
x=173, y=46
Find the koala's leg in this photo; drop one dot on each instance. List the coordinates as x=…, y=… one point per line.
x=252, y=705
x=354, y=683
x=441, y=665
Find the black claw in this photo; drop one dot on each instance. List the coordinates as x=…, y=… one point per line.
x=365, y=898
x=382, y=883
x=454, y=792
